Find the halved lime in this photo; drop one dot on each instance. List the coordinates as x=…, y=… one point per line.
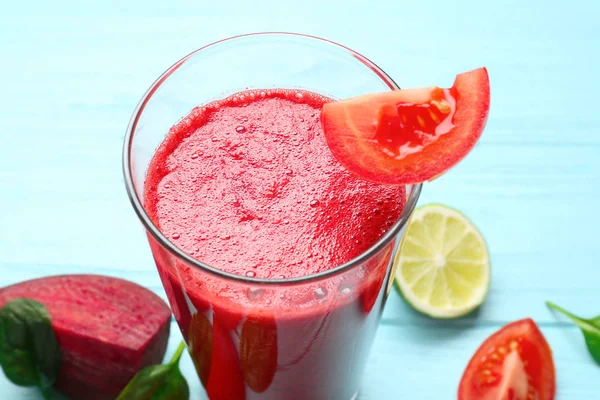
x=443, y=267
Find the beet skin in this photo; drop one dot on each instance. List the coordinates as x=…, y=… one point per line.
x=107, y=330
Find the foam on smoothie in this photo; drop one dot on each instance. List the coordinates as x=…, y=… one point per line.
x=248, y=185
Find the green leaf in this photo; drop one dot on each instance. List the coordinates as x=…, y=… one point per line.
x=589, y=327
x=29, y=353
x=158, y=382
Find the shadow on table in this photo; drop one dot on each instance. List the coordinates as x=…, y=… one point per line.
x=401, y=314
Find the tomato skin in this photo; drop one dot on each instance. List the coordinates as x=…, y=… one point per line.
x=258, y=352
x=483, y=376
x=200, y=341
x=225, y=379
x=354, y=128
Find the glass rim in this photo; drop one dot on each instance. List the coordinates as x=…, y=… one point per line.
x=150, y=227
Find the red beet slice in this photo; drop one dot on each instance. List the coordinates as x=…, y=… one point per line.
x=107, y=330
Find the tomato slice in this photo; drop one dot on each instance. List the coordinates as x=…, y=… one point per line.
x=225, y=379
x=258, y=352
x=408, y=136
x=514, y=363
x=200, y=341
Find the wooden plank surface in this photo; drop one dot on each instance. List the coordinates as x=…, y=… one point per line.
x=73, y=72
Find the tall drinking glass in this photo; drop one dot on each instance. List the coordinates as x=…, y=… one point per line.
x=301, y=338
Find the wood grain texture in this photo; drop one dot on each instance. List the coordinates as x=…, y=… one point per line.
x=73, y=73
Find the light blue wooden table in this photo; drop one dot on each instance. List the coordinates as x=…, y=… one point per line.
x=71, y=75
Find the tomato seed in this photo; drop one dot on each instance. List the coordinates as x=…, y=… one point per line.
x=434, y=117
x=441, y=105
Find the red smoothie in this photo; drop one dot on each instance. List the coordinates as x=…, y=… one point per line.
x=248, y=185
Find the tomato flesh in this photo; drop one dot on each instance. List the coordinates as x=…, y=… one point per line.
x=514, y=363
x=420, y=123
x=408, y=136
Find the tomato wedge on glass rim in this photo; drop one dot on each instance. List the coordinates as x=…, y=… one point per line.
x=408, y=136
x=514, y=363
